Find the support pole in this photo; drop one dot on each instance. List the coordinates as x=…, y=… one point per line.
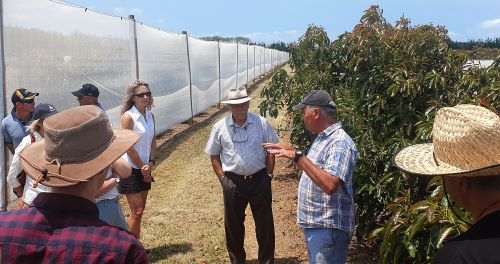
x=133, y=48
x=254, y=76
x=220, y=90
x=237, y=65
x=4, y=197
x=191, y=121
x=247, y=65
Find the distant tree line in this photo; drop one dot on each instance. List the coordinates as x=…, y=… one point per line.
x=491, y=43
x=280, y=45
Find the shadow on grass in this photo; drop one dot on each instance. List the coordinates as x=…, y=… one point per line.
x=278, y=261
x=165, y=251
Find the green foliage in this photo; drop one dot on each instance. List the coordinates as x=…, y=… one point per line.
x=387, y=81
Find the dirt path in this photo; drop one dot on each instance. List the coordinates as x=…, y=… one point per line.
x=183, y=221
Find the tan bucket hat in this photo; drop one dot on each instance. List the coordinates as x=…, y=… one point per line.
x=465, y=142
x=78, y=144
x=237, y=96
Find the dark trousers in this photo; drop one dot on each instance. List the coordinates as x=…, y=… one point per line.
x=238, y=193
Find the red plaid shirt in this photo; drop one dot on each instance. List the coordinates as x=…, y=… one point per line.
x=63, y=228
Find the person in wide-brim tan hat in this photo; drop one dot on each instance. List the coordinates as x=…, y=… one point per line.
x=465, y=142
x=465, y=152
x=79, y=143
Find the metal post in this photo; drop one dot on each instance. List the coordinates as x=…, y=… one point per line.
x=3, y=157
x=133, y=48
x=247, y=65
x=220, y=92
x=190, y=81
x=237, y=65
x=254, y=76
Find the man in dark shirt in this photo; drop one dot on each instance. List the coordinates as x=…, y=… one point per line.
x=64, y=226
x=466, y=153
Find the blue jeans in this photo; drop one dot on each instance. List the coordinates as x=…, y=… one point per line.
x=110, y=212
x=326, y=245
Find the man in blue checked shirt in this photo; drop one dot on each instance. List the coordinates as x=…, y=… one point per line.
x=325, y=200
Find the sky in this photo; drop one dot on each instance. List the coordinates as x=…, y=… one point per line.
x=286, y=20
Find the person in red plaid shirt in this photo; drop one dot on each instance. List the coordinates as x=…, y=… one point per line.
x=63, y=226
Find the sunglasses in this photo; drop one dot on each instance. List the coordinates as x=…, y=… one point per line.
x=141, y=95
x=29, y=101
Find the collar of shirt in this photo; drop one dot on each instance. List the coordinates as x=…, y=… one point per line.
x=64, y=202
x=230, y=121
x=135, y=114
x=329, y=130
x=14, y=117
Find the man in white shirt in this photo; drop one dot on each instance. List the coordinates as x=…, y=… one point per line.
x=244, y=170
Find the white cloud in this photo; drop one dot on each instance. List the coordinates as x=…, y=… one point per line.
x=275, y=36
x=136, y=11
x=454, y=35
x=494, y=23
x=119, y=11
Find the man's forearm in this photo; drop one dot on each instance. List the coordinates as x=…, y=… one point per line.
x=217, y=166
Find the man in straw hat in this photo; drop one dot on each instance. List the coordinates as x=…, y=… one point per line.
x=78, y=148
x=244, y=169
x=325, y=200
x=465, y=151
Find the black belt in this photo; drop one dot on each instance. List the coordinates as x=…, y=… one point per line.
x=246, y=177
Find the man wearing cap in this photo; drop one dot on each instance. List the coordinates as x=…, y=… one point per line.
x=87, y=95
x=107, y=201
x=244, y=170
x=14, y=126
x=25, y=192
x=465, y=152
x=325, y=196
x=63, y=226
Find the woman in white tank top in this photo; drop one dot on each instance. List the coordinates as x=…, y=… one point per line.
x=136, y=116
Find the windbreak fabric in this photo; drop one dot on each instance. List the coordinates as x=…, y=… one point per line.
x=163, y=63
x=57, y=53
x=204, y=74
x=228, y=66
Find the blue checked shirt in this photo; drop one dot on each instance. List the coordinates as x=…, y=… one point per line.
x=335, y=152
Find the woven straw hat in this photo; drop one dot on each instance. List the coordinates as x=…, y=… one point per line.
x=78, y=144
x=465, y=142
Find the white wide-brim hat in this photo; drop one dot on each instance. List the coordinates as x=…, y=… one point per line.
x=465, y=142
x=237, y=96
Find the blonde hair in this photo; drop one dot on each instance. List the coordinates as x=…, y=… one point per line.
x=128, y=99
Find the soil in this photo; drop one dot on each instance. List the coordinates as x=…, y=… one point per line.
x=290, y=245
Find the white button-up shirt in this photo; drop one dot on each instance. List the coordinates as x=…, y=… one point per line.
x=240, y=147
x=145, y=127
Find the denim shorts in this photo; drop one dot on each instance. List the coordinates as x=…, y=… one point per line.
x=110, y=212
x=134, y=183
x=326, y=245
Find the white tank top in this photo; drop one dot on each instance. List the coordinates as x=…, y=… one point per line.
x=145, y=127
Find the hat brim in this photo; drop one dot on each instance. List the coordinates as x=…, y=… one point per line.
x=298, y=106
x=237, y=101
x=33, y=157
x=77, y=93
x=419, y=159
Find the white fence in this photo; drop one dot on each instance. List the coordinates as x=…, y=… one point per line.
x=53, y=48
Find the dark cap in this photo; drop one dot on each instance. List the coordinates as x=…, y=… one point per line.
x=43, y=111
x=316, y=98
x=22, y=95
x=87, y=90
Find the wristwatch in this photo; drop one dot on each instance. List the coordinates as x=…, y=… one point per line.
x=298, y=155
